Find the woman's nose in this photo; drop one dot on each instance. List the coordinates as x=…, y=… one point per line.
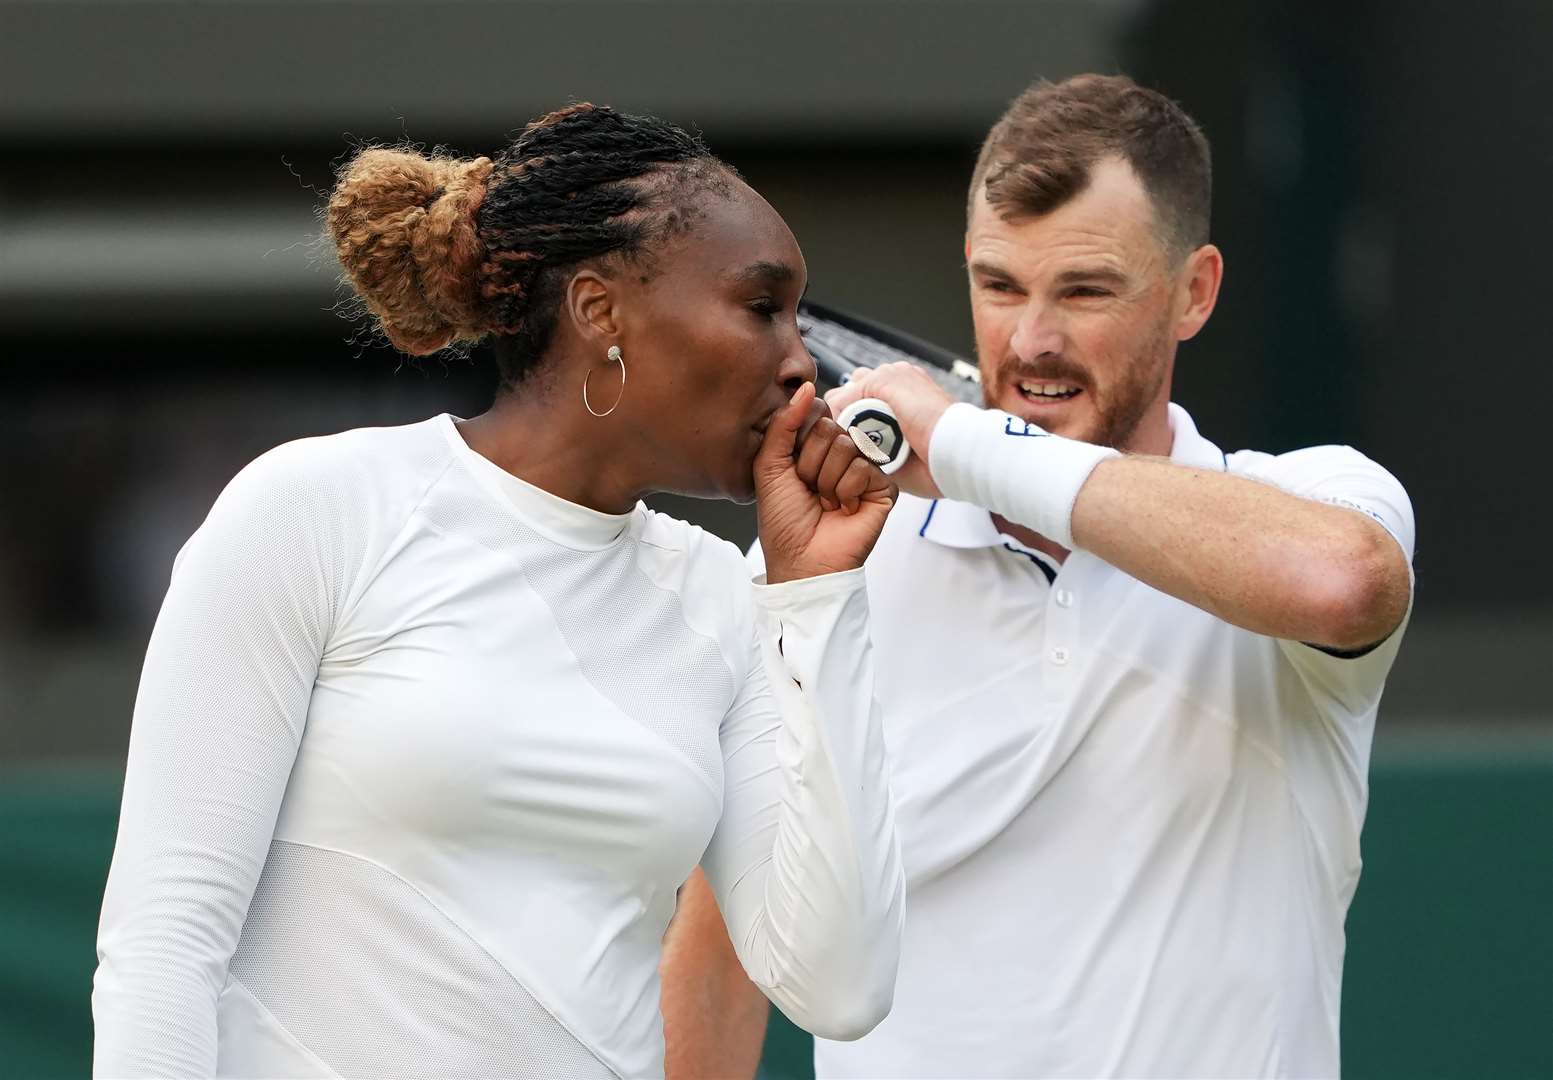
x=797, y=368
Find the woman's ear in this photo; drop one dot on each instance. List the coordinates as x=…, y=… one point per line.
x=591, y=305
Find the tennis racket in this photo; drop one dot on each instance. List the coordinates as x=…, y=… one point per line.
x=842, y=343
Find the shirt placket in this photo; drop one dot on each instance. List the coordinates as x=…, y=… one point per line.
x=1062, y=647
x=1059, y=627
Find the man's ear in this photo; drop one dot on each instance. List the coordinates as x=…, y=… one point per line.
x=591, y=305
x=1199, y=284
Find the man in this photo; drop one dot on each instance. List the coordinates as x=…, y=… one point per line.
x=1130, y=680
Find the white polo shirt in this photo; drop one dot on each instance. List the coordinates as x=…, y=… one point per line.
x=1131, y=830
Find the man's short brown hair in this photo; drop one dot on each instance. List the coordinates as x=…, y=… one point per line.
x=1040, y=152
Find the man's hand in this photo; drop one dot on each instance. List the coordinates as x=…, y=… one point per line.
x=822, y=509
x=917, y=402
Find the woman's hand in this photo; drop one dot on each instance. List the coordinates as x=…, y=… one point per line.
x=822, y=509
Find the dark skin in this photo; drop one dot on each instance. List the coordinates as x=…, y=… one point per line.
x=718, y=390
x=718, y=401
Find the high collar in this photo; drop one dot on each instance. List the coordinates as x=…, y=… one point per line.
x=961, y=525
x=567, y=523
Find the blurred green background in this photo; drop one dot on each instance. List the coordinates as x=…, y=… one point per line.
x=1382, y=175
x=1450, y=959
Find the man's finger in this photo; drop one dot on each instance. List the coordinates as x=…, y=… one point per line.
x=844, y=395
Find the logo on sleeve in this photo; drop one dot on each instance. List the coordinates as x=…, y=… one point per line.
x=1022, y=428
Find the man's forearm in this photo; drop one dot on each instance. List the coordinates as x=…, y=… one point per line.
x=714, y=1018
x=1245, y=551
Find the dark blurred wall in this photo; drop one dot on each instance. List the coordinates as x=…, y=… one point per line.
x=1382, y=180
x=1381, y=176
x=1381, y=192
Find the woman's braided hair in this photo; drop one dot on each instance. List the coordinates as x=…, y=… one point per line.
x=442, y=250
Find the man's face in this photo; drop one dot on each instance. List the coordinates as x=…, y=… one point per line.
x=1075, y=311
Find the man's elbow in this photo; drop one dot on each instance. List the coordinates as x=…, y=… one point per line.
x=1363, y=596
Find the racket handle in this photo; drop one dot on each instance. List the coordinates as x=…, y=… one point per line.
x=877, y=433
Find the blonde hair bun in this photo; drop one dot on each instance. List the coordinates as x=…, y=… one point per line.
x=403, y=226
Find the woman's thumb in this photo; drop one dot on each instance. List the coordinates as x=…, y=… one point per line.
x=782, y=432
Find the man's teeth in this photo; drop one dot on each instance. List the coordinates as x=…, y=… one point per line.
x=1047, y=390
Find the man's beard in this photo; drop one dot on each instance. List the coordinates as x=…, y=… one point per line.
x=1137, y=387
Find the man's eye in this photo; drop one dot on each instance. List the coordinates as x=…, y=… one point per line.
x=765, y=307
x=997, y=286
x=1088, y=290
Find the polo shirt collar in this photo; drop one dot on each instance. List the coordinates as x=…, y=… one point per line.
x=1187, y=447
x=958, y=525
x=961, y=525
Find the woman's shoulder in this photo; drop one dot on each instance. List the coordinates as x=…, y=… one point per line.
x=370, y=469
x=310, y=510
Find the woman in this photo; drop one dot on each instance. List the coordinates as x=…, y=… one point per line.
x=435, y=719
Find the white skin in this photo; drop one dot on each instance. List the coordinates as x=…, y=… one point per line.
x=1088, y=298
x=1086, y=303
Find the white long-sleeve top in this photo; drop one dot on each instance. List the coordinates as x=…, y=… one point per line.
x=422, y=753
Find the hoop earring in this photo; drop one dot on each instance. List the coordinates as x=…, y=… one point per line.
x=615, y=357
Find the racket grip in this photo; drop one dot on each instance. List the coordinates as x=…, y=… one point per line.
x=877, y=433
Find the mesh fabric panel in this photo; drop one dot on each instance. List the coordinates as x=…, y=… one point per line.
x=629, y=635
x=366, y=973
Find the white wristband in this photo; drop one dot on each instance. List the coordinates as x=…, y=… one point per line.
x=1001, y=463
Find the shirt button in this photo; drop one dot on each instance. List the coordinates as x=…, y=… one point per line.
x=1059, y=656
x=1064, y=598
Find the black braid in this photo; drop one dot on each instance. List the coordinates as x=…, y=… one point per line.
x=562, y=194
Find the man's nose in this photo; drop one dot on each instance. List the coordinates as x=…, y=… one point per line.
x=1037, y=333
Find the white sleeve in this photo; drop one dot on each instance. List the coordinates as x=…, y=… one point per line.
x=220, y=712
x=1342, y=476
x=805, y=861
